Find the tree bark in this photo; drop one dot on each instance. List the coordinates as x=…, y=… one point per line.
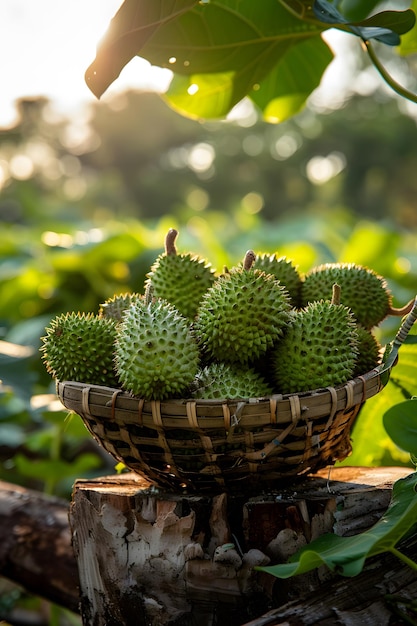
x=35, y=545
x=151, y=558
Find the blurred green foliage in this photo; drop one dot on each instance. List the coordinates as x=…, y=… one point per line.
x=86, y=204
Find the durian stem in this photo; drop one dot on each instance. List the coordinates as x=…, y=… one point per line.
x=401, y=335
x=148, y=293
x=336, y=294
x=403, y=311
x=407, y=324
x=170, y=242
x=249, y=260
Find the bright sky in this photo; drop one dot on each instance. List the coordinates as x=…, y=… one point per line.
x=46, y=46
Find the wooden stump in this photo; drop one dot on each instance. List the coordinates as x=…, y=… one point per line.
x=151, y=558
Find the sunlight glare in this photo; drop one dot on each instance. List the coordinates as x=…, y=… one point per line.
x=192, y=89
x=15, y=350
x=201, y=157
x=321, y=169
x=285, y=146
x=4, y=173
x=21, y=167
x=46, y=47
x=253, y=202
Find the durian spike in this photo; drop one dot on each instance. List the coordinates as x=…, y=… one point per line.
x=405, y=310
x=170, y=242
x=249, y=260
x=336, y=294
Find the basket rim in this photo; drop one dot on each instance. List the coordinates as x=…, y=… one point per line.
x=380, y=374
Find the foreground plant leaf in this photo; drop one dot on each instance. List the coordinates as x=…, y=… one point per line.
x=370, y=426
x=400, y=422
x=355, y=10
x=347, y=555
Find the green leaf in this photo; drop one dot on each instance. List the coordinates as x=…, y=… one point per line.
x=226, y=35
x=400, y=422
x=399, y=22
x=204, y=95
x=404, y=373
x=371, y=445
x=369, y=426
x=386, y=26
x=286, y=88
x=214, y=95
x=347, y=555
x=355, y=10
x=44, y=469
x=270, y=61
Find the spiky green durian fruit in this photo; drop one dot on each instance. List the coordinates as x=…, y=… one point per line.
x=364, y=291
x=156, y=354
x=242, y=314
x=285, y=271
x=79, y=347
x=319, y=348
x=114, y=307
x=181, y=279
x=223, y=380
x=369, y=351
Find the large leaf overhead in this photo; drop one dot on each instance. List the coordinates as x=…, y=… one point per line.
x=247, y=56
x=279, y=89
x=218, y=51
x=287, y=87
x=131, y=27
x=223, y=50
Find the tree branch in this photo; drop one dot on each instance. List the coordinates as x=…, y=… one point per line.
x=35, y=545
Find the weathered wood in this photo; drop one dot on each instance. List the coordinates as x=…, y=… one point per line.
x=151, y=558
x=35, y=545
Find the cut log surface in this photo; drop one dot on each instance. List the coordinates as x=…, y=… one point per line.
x=149, y=558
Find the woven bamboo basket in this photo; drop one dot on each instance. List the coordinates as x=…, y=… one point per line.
x=228, y=445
